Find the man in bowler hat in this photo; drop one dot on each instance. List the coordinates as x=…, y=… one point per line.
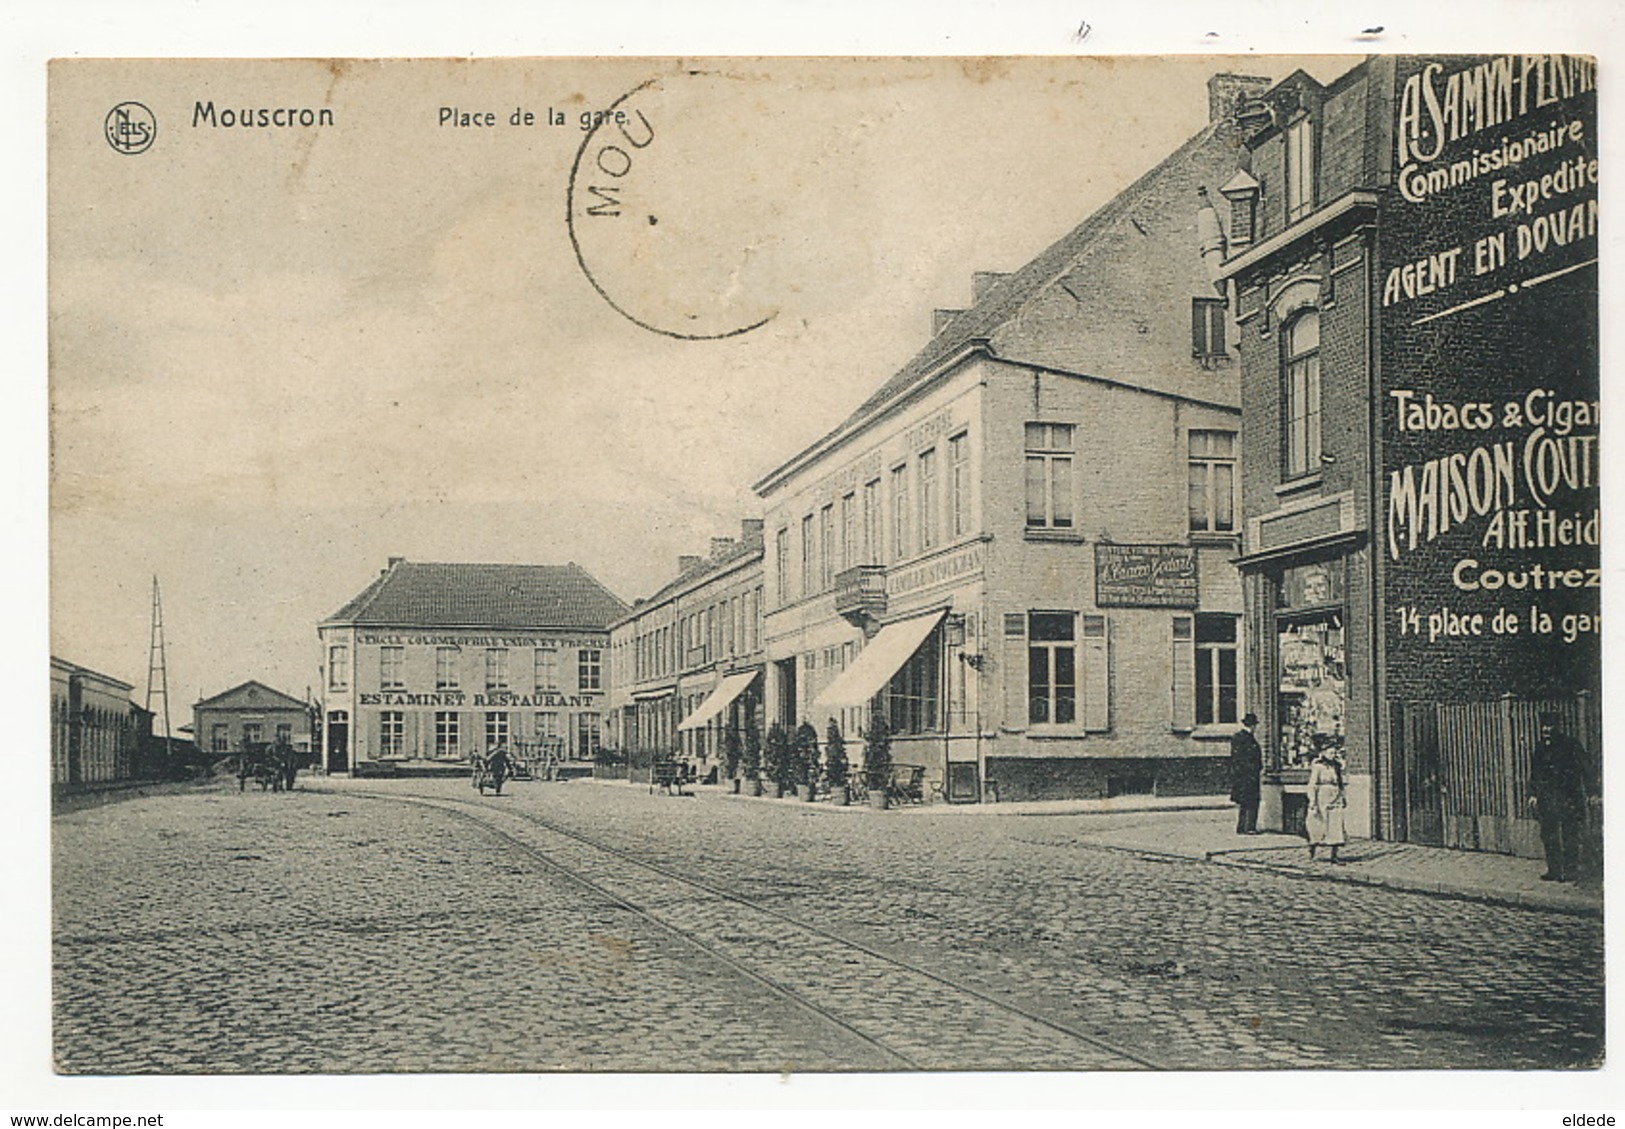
x=1557, y=776
x=1246, y=762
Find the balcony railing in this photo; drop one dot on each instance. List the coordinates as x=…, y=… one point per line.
x=860, y=593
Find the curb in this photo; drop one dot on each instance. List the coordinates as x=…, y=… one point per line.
x=1415, y=886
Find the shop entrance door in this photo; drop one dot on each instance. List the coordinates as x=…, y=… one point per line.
x=338, y=743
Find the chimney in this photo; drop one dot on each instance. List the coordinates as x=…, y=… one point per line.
x=1227, y=91
x=984, y=280
x=721, y=547
x=940, y=318
x=393, y=561
x=750, y=531
x=687, y=563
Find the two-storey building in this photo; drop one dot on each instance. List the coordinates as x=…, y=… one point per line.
x=1018, y=549
x=432, y=662
x=686, y=663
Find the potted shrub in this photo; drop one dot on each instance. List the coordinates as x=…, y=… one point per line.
x=751, y=757
x=732, y=753
x=776, y=755
x=877, y=761
x=835, y=766
x=804, y=760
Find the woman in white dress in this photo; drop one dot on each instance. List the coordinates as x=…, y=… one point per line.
x=1328, y=799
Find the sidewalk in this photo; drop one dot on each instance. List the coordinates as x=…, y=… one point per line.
x=1472, y=875
x=1202, y=828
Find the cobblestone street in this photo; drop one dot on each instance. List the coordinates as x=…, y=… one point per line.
x=367, y=926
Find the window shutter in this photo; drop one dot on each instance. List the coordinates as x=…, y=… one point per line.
x=1183, y=717
x=1096, y=676
x=1015, y=671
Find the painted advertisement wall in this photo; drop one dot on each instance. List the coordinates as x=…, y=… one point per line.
x=1488, y=415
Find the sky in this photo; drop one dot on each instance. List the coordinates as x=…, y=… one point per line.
x=279, y=357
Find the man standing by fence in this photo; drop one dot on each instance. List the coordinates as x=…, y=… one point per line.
x=1557, y=776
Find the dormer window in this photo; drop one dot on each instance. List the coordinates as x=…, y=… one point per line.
x=1300, y=168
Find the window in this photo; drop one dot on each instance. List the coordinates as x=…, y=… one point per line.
x=547, y=726
x=338, y=667
x=1049, y=476
x=809, y=574
x=496, y=668
x=1052, y=668
x=391, y=733
x=826, y=547
x=220, y=738
x=849, y=530
x=1207, y=328
x=899, y=512
x=730, y=619
x=1301, y=343
x=1300, y=169
x=445, y=668
x=928, y=498
x=1216, y=680
x=547, y=669
x=496, y=730
x=959, y=485
x=284, y=733
x=253, y=733
x=1213, y=481
x=589, y=670
x=587, y=735
x=781, y=562
x=914, y=691
x=447, y=737
x=871, y=521
x=390, y=662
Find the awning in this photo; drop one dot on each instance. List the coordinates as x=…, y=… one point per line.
x=876, y=663
x=717, y=700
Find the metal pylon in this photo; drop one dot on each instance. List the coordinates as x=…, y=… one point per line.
x=157, y=667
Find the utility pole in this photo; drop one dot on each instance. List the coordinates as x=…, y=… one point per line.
x=158, y=672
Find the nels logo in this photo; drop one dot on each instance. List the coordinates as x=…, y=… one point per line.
x=130, y=128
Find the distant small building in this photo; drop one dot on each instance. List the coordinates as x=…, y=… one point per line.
x=250, y=714
x=97, y=733
x=434, y=661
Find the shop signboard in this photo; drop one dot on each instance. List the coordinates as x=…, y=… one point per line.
x=1488, y=427
x=1145, y=576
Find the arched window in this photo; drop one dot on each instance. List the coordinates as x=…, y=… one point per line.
x=1300, y=423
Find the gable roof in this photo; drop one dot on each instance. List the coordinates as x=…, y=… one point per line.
x=411, y=594
x=251, y=694
x=975, y=329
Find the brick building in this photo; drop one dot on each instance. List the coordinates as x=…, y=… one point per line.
x=1412, y=253
x=686, y=663
x=1019, y=547
x=432, y=662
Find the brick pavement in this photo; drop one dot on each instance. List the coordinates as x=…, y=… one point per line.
x=330, y=932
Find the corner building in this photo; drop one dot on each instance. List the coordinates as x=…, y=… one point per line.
x=1018, y=549
x=1412, y=252
x=432, y=662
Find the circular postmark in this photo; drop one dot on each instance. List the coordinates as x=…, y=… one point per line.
x=668, y=212
x=130, y=128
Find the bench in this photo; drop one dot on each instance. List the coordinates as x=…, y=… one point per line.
x=907, y=784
